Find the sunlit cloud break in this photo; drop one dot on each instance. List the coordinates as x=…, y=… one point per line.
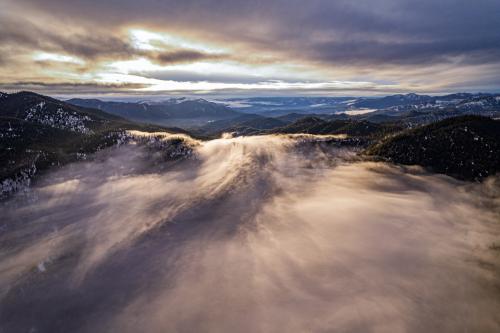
x=319, y=47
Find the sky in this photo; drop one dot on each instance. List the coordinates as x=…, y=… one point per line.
x=243, y=47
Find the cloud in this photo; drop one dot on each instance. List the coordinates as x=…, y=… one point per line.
x=19, y=31
x=71, y=87
x=191, y=76
x=274, y=238
x=183, y=56
x=283, y=24
x=337, y=40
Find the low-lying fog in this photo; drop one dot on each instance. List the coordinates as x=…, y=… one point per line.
x=255, y=234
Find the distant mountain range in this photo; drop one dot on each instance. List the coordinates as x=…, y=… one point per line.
x=453, y=134
x=413, y=100
x=169, y=112
x=276, y=106
x=211, y=117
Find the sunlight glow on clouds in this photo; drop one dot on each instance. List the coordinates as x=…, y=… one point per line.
x=368, y=46
x=155, y=85
x=142, y=39
x=44, y=56
x=148, y=40
x=128, y=66
x=129, y=71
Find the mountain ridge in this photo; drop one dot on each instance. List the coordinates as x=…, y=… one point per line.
x=38, y=132
x=160, y=112
x=465, y=147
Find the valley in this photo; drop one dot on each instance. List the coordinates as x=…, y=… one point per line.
x=242, y=232
x=124, y=225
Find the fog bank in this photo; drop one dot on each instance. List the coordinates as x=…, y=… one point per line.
x=249, y=234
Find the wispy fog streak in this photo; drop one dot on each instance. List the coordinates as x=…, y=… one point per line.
x=257, y=234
